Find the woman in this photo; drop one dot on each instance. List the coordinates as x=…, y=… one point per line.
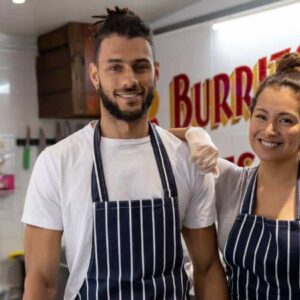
x=259, y=207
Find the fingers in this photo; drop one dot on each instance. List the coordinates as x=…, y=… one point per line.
x=203, y=151
x=216, y=172
x=206, y=158
x=206, y=167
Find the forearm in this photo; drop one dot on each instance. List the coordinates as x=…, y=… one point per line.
x=211, y=285
x=36, y=289
x=42, y=257
x=179, y=132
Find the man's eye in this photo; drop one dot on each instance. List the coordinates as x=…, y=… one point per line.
x=115, y=67
x=141, y=67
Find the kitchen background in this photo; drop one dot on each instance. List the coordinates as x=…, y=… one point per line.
x=19, y=105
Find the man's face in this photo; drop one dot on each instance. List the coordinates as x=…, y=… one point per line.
x=126, y=76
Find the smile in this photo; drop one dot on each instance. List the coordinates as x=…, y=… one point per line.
x=269, y=144
x=128, y=95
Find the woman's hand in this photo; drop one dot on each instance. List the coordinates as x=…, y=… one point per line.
x=203, y=151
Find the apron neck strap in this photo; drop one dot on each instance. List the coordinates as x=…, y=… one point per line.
x=99, y=189
x=163, y=163
x=250, y=194
x=298, y=193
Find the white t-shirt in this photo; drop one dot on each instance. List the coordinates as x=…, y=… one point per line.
x=59, y=192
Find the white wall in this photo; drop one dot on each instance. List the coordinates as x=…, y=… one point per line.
x=201, y=53
x=18, y=109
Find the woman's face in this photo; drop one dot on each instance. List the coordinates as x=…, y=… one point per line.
x=274, y=132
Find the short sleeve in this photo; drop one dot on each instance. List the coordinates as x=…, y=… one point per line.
x=42, y=204
x=201, y=211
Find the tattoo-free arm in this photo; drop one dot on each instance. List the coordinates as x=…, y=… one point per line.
x=209, y=276
x=42, y=258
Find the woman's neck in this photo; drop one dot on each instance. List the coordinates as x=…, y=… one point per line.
x=278, y=174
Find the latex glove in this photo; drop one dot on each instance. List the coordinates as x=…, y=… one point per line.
x=203, y=151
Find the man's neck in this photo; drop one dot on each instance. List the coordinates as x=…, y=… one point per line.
x=119, y=129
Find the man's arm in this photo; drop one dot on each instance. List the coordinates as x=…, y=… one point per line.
x=42, y=258
x=209, y=276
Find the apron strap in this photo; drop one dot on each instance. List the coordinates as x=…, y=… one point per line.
x=250, y=194
x=99, y=189
x=248, y=203
x=298, y=193
x=163, y=163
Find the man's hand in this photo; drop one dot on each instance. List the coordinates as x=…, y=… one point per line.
x=203, y=151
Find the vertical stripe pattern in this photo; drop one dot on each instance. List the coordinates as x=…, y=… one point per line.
x=263, y=256
x=136, y=249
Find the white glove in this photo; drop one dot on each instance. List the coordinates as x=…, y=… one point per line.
x=203, y=151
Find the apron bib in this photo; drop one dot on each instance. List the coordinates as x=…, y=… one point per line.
x=262, y=255
x=136, y=247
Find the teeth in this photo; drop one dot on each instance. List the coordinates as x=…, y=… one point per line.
x=128, y=95
x=269, y=144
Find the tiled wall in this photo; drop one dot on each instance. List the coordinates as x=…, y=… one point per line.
x=19, y=108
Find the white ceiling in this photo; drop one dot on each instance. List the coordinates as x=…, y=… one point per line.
x=39, y=16
x=36, y=17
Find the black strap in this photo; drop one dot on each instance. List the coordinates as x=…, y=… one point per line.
x=161, y=157
x=163, y=163
x=298, y=193
x=249, y=196
x=98, y=168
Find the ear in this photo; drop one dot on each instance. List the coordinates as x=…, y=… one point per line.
x=93, y=72
x=156, y=71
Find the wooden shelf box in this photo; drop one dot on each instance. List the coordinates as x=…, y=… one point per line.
x=64, y=87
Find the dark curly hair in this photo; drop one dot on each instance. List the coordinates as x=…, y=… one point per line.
x=123, y=22
x=287, y=75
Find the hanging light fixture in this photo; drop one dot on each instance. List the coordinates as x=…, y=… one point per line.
x=277, y=18
x=18, y=1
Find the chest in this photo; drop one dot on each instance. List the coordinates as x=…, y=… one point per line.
x=276, y=203
x=131, y=173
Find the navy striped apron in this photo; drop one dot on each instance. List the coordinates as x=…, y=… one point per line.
x=136, y=249
x=262, y=255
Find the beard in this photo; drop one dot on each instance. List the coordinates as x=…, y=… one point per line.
x=114, y=109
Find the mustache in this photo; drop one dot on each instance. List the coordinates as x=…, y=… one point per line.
x=135, y=89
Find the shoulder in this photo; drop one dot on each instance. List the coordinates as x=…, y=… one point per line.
x=172, y=143
x=80, y=138
x=232, y=182
x=77, y=145
x=231, y=173
x=230, y=188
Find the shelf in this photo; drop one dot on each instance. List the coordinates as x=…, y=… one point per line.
x=5, y=193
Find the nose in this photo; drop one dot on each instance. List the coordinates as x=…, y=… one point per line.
x=271, y=129
x=129, y=78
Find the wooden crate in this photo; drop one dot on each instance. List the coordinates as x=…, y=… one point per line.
x=64, y=87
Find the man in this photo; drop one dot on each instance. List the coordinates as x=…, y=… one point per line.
x=120, y=190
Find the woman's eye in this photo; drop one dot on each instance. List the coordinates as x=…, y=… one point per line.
x=285, y=121
x=260, y=117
